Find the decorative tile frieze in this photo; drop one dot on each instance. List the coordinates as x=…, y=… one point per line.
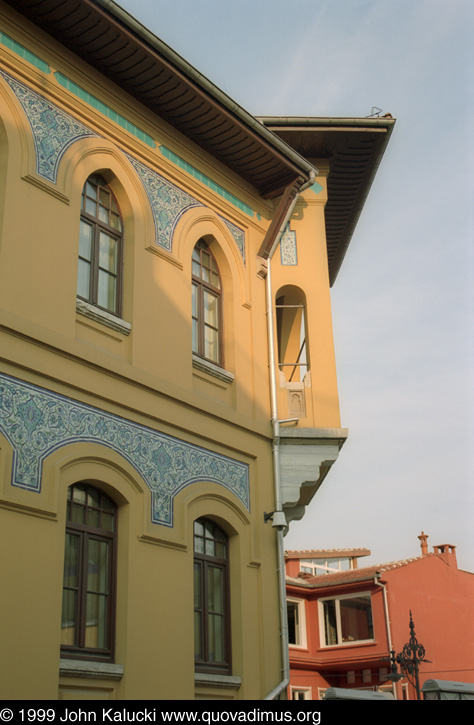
x=204, y=179
x=239, y=236
x=103, y=108
x=288, y=251
x=38, y=422
x=168, y=202
x=53, y=130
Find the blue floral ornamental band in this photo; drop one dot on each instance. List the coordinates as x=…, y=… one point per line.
x=54, y=131
x=38, y=422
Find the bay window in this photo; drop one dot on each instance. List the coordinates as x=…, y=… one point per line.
x=346, y=619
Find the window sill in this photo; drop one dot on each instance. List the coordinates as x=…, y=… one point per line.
x=90, y=669
x=355, y=643
x=105, y=318
x=203, y=679
x=210, y=368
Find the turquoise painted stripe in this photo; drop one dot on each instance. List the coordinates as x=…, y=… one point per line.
x=24, y=52
x=103, y=108
x=206, y=180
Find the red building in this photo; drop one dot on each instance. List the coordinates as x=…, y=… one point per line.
x=344, y=620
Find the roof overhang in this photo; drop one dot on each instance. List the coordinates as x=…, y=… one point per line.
x=354, y=148
x=104, y=35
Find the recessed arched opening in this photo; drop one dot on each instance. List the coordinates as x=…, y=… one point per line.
x=293, y=356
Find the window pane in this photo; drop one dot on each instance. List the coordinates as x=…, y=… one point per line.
x=215, y=590
x=108, y=253
x=71, y=560
x=104, y=198
x=106, y=296
x=97, y=566
x=293, y=624
x=85, y=240
x=330, y=624
x=91, y=207
x=115, y=221
x=211, y=309
x=68, y=618
x=197, y=610
x=197, y=636
x=93, y=518
x=79, y=495
x=107, y=521
x=93, y=498
x=210, y=547
x=91, y=189
x=71, y=582
x=197, y=585
x=83, y=279
x=221, y=549
x=211, y=344
x=78, y=513
x=103, y=214
x=356, y=619
x=96, y=621
x=216, y=638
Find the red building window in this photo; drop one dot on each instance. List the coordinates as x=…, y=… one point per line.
x=347, y=619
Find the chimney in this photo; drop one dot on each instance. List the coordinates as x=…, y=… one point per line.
x=448, y=553
x=424, y=546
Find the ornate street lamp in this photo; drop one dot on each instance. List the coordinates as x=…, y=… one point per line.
x=409, y=660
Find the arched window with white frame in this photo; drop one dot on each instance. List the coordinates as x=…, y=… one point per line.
x=100, y=267
x=206, y=305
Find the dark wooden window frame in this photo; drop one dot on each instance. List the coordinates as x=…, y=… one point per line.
x=85, y=534
x=205, y=562
x=203, y=286
x=99, y=225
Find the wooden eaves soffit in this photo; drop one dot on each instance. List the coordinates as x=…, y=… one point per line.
x=354, y=148
x=112, y=41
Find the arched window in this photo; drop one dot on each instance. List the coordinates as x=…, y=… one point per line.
x=88, y=611
x=211, y=598
x=291, y=332
x=206, y=313
x=99, y=275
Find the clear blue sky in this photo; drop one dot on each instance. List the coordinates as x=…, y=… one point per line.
x=403, y=304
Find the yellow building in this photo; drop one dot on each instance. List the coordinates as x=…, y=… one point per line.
x=149, y=230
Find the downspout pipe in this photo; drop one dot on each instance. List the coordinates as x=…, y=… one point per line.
x=284, y=639
x=378, y=583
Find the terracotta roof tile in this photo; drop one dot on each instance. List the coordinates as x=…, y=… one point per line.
x=343, y=577
x=318, y=553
